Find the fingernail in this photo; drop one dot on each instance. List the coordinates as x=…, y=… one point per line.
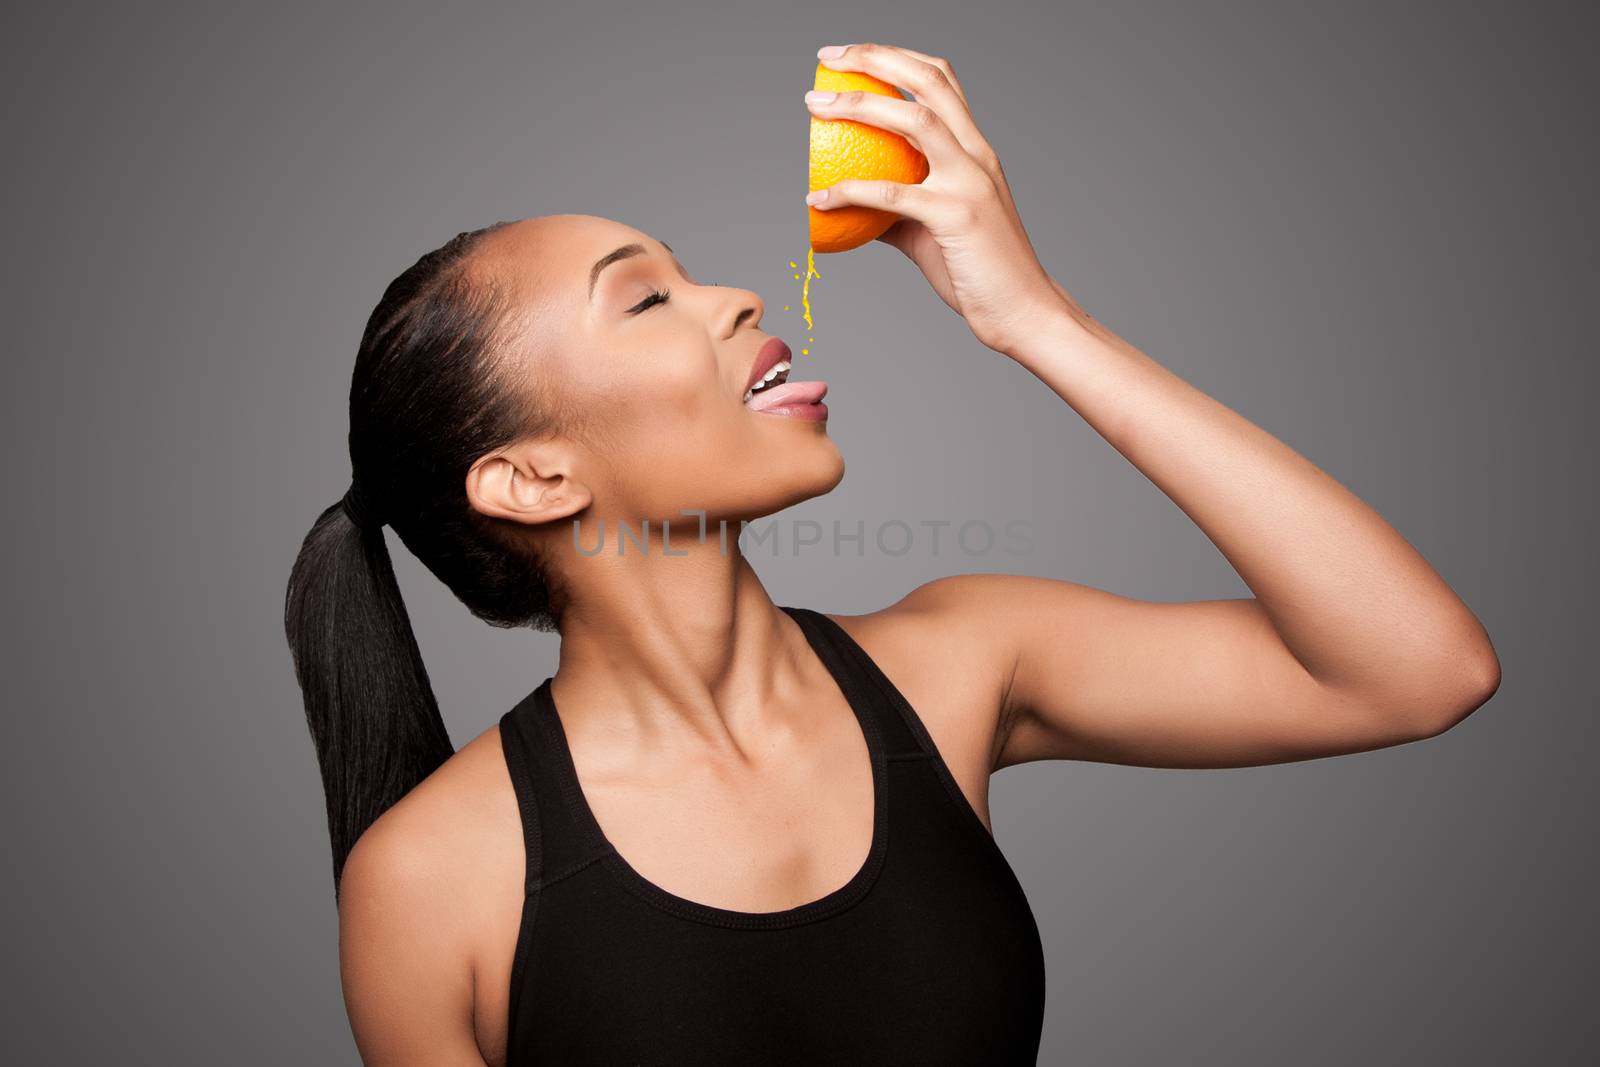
x=816, y=196
x=820, y=96
x=831, y=51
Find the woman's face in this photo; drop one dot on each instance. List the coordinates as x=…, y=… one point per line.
x=651, y=368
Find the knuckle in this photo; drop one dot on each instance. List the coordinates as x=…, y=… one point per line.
x=931, y=77
x=852, y=97
x=924, y=117
x=893, y=193
x=949, y=74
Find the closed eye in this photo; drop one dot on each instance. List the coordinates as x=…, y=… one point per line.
x=660, y=296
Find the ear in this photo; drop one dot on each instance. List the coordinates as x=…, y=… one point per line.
x=529, y=483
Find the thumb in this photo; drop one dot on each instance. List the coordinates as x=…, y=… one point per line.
x=912, y=238
x=900, y=236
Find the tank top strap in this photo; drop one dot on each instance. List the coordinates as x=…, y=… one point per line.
x=558, y=831
x=866, y=686
x=558, y=842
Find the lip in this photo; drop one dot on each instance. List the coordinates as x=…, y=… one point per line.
x=768, y=356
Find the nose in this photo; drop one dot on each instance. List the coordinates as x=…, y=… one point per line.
x=743, y=308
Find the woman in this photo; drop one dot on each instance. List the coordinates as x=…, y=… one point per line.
x=728, y=830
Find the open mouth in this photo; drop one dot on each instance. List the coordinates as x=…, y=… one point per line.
x=772, y=393
x=794, y=399
x=777, y=375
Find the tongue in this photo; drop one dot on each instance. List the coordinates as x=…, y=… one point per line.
x=787, y=394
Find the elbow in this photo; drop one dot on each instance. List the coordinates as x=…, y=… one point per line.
x=1474, y=678
x=1429, y=692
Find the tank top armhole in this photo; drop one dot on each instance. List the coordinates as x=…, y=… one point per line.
x=914, y=723
x=522, y=783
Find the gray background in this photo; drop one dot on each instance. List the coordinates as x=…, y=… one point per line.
x=1367, y=228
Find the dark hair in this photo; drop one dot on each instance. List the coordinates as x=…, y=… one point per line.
x=429, y=397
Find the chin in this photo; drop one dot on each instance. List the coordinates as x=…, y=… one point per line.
x=821, y=467
x=828, y=473
x=836, y=472
x=808, y=473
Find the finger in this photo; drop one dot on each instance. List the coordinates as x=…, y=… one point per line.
x=913, y=201
x=925, y=78
x=976, y=144
x=936, y=61
x=916, y=122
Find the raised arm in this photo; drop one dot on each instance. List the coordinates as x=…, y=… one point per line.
x=1351, y=641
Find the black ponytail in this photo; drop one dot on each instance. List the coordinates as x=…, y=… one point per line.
x=431, y=393
x=373, y=716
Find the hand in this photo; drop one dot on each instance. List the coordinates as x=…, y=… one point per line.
x=960, y=224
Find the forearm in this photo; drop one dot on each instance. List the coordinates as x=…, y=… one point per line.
x=1353, y=601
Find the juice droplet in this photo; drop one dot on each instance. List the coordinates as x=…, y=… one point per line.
x=787, y=308
x=792, y=263
x=805, y=289
x=805, y=351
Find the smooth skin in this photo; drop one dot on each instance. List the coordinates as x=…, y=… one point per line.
x=717, y=753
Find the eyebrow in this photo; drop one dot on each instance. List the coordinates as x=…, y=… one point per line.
x=611, y=257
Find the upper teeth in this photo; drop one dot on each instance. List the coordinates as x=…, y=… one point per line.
x=778, y=372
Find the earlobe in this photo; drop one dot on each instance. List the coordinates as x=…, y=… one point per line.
x=522, y=489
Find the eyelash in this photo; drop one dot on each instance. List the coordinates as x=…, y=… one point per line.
x=660, y=296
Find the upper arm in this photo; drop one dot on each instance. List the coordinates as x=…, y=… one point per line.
x=408, y=983
x=1096, y=676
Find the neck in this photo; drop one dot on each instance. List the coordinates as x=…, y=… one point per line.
x=686, y=646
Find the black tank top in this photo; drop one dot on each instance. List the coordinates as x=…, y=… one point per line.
x=928, y=955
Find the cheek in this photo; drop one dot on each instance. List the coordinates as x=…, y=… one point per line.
x=664, y=411
x=664, y=433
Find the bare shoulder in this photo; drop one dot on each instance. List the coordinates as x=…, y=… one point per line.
x=446, y=831
x=941, y=648
x=957, y=626
x=421, y=900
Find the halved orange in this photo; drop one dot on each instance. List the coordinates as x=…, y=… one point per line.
x=843, y=148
